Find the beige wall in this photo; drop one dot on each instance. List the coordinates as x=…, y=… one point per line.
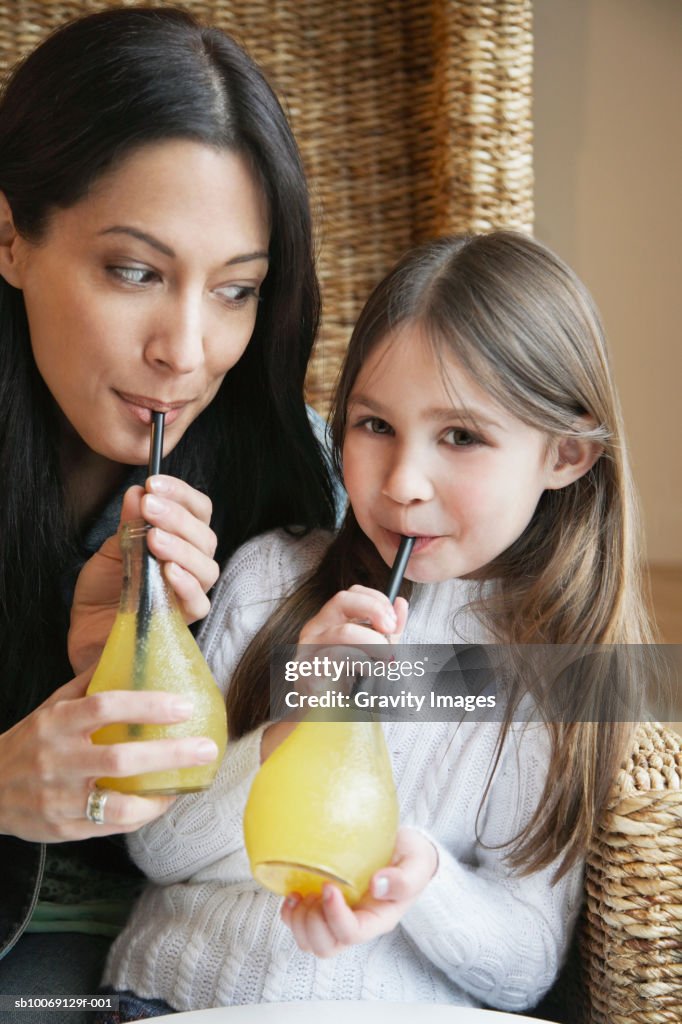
x=608, y=165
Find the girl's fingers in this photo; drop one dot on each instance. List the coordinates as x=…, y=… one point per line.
x=340, y=919
x=415, y=862
x=305, y=918
x=319, y=938
x=352, y=606
x=351, y=635
x=401, y=608
x=297, y=921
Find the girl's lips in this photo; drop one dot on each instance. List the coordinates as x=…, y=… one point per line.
x=420, y=543
x=143, y=413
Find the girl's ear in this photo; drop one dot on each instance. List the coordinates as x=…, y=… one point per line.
x=572, y=457
x=9, y=237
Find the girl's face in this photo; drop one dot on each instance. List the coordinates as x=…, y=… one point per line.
x=143, y=294
x=428, y=453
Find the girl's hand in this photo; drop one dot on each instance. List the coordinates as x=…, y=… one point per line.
x=352, y=618
x=355, y=617
x=48, y=763
x=326, y=925
x=181, y=539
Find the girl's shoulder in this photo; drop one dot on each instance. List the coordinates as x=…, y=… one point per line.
x=253, y=582
x=266, y=567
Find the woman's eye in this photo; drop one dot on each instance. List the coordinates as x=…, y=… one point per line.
x=460, y=438
x=133, y=275
x=237, y=294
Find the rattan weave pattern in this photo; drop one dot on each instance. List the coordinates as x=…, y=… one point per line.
x=632, y=933
x=413, y=117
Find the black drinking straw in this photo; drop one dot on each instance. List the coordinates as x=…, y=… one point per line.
x=395, y=579
x=399, y=567
x=144, y=611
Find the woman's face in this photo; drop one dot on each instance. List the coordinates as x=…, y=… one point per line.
x=144, y=294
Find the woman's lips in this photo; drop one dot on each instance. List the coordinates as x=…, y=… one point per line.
x=142, y=408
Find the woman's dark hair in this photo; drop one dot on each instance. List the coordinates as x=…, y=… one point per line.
x=86, y=98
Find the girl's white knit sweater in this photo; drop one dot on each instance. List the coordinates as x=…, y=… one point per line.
x=205, y=934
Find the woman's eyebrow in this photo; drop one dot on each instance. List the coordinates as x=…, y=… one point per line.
x=155, y=243
x=142, y=236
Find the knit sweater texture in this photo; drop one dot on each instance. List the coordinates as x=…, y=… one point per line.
x=206, y=934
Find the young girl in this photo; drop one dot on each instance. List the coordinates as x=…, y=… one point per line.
x=475, y=411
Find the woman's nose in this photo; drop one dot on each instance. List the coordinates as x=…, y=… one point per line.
x=407, y=479
x=176, y=340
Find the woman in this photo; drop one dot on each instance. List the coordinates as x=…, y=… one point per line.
x=155, y=253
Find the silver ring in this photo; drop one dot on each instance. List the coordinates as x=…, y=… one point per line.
x=94, y=809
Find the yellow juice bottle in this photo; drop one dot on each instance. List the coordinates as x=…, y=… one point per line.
x=323, y=808
x=151, y=648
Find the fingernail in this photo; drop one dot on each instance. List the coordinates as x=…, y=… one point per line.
x=159, y=484
x=327, y=893
x=390, y=623
x=181, y=707
x=380, y=887
x=206, y=751
x=161, y=538
x=291, y=901
x=153, y=505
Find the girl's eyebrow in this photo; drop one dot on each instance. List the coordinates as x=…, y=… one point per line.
x=155, y=243
x=441, y=414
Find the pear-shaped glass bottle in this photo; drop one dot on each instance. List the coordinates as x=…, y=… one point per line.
x=151, y=648
x=323, y=808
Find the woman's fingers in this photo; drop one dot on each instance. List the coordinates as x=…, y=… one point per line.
x=135, y=757
x=110, y=706
x=183, y=540
x=175, y=512
x=169, y=488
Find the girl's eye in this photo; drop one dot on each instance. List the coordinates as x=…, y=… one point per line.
x=460, y=438
x=133, y=275
x=237, y=294
x=376, y=426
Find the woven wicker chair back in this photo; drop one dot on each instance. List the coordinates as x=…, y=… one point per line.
x=413, y=118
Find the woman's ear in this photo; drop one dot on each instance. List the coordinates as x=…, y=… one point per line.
x=9, y=239
x=572, y=457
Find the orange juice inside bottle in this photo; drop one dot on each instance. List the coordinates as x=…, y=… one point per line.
x=323, y=808
x=164, y=657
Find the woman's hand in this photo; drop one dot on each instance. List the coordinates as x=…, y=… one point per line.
x=181, y=538
x=49, y=765
x=326, y=925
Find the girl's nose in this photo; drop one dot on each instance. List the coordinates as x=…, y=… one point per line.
x=407, y=480
x=176, y=341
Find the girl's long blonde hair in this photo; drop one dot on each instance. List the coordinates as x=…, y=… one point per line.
x=525, y=328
